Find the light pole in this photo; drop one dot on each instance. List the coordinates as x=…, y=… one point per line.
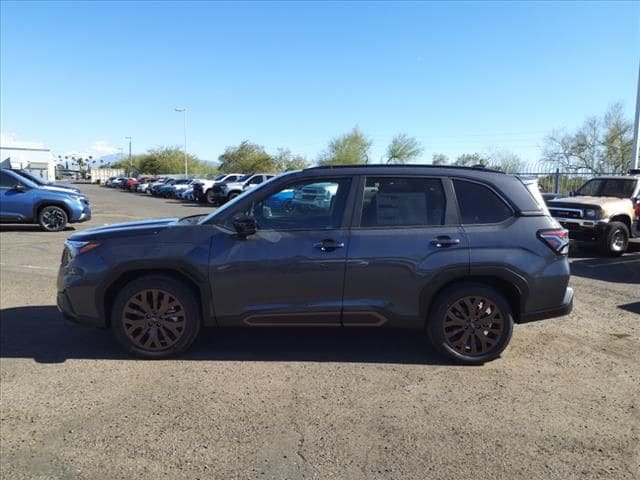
x=635, y=150
x=130, y=165
x=184, y=111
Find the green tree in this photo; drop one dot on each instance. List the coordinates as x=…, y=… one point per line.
x=471, y=159
x=165, y=160
x=349, y=149
x=403, y=149
x=600, y=145
x=286, y=161
x=506, y=161
x=439, y=159
x=246, y=158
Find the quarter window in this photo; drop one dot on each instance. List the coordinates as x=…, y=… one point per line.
x=310, y=205
x=397, y=201
x=478, y=204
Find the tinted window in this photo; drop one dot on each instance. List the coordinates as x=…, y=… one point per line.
x=394, y=201
x=255, y=180
x=7, y=181
x=478, y=204
x=308, y=205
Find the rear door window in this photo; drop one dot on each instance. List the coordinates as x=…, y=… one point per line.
x=398, y=201
x=479, y=204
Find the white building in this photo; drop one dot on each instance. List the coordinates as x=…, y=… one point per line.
x=39, y=161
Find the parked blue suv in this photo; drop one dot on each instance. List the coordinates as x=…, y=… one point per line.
x=23, y=201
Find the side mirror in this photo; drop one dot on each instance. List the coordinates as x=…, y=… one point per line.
x=245, y=225
x=18, y=187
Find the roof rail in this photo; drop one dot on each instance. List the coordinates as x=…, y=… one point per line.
x=405, y=165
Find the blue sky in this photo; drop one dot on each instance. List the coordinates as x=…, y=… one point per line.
x=461, y=77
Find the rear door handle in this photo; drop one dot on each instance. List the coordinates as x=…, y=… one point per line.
x=444, y=241
x=328, y=245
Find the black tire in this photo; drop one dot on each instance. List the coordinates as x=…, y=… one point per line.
x=210, y=197
x=615, y=240
x=453, y=328
x=52, y=218
x=158, y=333
x=232, y=195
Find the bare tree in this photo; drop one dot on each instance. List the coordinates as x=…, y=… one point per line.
x=600, y=145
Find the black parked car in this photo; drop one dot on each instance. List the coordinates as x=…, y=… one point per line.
x=463, y=253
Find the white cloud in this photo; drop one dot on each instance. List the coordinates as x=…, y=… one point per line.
x=8, y=139
x=97, y=150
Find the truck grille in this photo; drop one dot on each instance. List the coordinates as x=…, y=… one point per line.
x=565, y=213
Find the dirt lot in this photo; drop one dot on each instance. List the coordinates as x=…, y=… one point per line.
x=562, y=402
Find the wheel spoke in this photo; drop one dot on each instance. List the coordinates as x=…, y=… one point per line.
x=154, y=319
x=473, y=325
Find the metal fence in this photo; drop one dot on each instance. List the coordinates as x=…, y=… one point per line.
x=557, y=181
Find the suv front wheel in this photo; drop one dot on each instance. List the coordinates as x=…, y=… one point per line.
x=52, y=218
x=470, y=323
x=155, y=317
x=615, y=239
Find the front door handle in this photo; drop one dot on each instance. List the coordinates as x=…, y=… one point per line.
x=444, y=241
x=328, y=245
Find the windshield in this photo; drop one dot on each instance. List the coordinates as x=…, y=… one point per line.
x=34, y=178
x=219, y=177
x=244, y=177
x=608, y=187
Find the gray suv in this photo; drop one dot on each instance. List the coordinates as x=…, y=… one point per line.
x=462, y=253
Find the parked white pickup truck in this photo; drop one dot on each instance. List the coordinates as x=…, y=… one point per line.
x=203, y=189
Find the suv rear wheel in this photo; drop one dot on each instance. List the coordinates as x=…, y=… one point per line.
x=615, y=239
x=470, y=323
x=210, y=197
x=52, y=218
x=155, y=317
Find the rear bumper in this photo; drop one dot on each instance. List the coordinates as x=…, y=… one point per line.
x=564, y=308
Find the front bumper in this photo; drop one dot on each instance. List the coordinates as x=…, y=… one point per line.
x=564, y=308
x=583, y=229
x=65, y=307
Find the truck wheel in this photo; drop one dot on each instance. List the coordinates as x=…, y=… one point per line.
x=470, y=323
x=211, y=199
x=615, y=239
x=52, y=219
x=155, y=316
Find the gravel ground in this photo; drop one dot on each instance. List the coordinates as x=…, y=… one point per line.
x=561, y=403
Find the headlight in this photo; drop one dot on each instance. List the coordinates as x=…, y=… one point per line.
x=78, y=248
x=593, y=213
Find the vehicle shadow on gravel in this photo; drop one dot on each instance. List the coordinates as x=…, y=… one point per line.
x=41, y=333
x=29, y=228
x=588, y=263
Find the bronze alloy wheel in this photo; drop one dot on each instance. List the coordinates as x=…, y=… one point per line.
x=154, y=319
x=473, y=325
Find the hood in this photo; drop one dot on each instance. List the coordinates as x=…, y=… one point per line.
x=125, y=229
x=609, y=205
x=57, y=187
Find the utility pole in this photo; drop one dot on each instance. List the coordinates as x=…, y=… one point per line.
x=184, y=112
x=130, y=164
x=635, y=150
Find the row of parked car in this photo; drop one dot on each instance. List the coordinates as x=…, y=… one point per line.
x=215, y=191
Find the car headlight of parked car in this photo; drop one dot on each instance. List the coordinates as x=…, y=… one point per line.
x=592, y=213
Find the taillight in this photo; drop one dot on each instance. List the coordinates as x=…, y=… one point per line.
x=557, y=239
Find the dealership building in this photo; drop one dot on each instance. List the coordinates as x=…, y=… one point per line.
x=39, y=161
